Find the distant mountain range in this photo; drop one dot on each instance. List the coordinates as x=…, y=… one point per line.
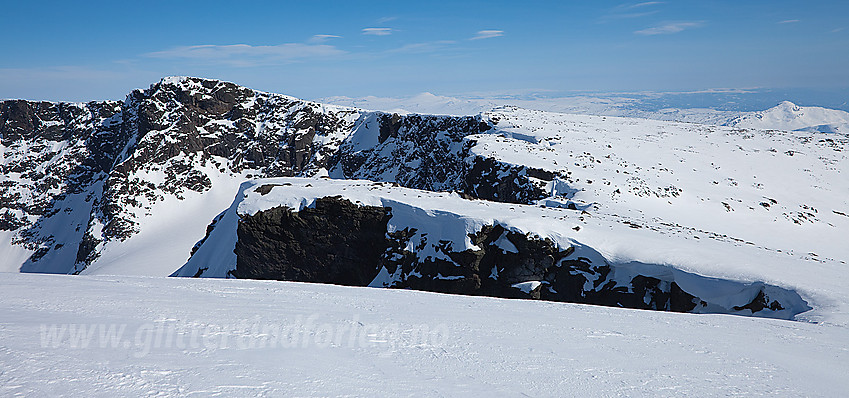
x=784, y=116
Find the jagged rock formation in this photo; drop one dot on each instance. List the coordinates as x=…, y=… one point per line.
x=55, y=159
x=339, y=242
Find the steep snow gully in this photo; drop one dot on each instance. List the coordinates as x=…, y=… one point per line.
x=508, y=203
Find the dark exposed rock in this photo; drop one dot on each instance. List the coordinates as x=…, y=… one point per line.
x=335, y=242
x=86, y=252
x=433, y=152
x=389, y=126
x=8, y=222
x=99, y=156
x=490, y=179
x=343, y=243
x=57, y=152
x=416, y=151
x=760, y=302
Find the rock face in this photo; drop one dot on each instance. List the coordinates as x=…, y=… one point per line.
x=55, y=159
x=341, y=243
x=335, y=242
x=191, y=131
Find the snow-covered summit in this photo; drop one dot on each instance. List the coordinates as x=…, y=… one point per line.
x=789, y=116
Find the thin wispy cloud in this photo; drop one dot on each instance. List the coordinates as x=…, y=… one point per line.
x=247, y=55
x=630, y=15
x=625, y=11
x=386, y=19
x=640, y=5
x=377, y=31
x=487, y=34
x=789, y=21
x=837, y=30
x=669, y=28
x=426, y=47
x=322, y=38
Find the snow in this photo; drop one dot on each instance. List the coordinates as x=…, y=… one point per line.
x=203, y=337
x=670, y=182
x=789, y=116
x=13, y=255
x=457, y=217
x=749, y=206
x=528, y=286
x=655, y=193
x=682, y=173
x=504, y=244
x=169, y=227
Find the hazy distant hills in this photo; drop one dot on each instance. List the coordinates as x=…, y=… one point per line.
x=784, y=116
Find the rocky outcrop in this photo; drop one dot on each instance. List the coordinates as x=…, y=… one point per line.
x=79, y=180
x=489, y=179
x=415, y=151
x=340, y=242
x=334, y=242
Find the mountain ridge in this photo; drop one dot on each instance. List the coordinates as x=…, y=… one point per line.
x=135, y=187
x=175, y=138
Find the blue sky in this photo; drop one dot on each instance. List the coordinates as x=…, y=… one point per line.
x=101, y=50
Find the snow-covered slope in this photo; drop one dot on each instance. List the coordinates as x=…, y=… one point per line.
x=54, y=159
x=190, y=337
x=88, y=192
x=784, y=191
x=510, y=203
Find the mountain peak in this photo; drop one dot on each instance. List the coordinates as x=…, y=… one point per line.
x=174, y=79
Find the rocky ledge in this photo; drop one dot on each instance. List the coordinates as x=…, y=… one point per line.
x=377, y=234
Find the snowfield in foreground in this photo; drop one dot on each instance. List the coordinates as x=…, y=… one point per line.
x=203, y=337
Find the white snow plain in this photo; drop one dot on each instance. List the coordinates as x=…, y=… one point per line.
x=213, y=337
